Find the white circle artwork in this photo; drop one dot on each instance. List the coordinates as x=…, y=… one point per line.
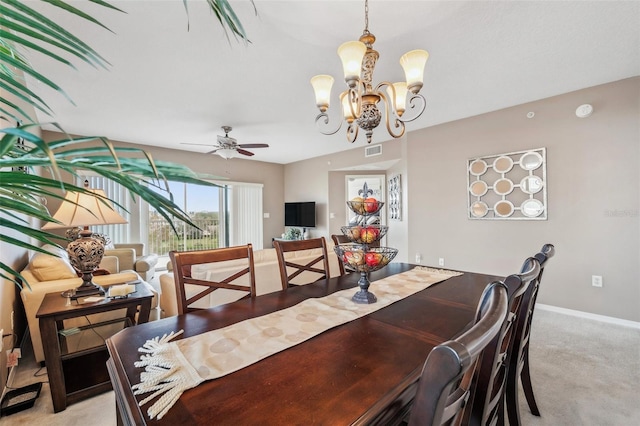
x=508, y=186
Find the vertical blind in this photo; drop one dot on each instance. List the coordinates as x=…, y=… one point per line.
x=245, y=215
x=118, y=233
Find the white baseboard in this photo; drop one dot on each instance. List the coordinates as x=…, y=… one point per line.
x=581, y=314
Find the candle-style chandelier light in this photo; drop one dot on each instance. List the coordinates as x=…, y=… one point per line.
x=361, y=100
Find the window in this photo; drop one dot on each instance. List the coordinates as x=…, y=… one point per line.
x=204, y=205
x=227, y=215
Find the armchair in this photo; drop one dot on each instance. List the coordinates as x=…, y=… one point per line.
x=130, y=257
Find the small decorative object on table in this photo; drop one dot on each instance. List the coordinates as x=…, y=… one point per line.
x=359, y=256
x=292, y=234
x=121, y=291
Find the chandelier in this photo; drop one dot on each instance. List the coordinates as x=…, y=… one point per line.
x=361, y=100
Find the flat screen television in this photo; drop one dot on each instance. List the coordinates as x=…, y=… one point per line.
x=301, y=214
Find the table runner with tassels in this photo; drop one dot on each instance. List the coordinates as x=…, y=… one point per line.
x=171, y=367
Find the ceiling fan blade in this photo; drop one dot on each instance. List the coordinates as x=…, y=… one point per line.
x=213, y=151
x=244, y=152
x=200, y=144
x=254, y=145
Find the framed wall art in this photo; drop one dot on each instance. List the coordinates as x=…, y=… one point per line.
x=395, y=197
x=508, y=186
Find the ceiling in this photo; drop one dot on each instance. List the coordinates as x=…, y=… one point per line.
x=174, y=80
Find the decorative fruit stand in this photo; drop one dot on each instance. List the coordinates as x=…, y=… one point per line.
x=359, y=255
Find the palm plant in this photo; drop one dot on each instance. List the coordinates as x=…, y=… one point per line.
x=22, y=151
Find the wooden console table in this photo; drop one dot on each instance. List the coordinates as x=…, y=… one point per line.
x=76, y=358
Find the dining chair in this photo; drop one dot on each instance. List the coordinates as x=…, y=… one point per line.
x=519, y=363
x=314, y=270
x=444, y=385
x=337, y=240
x=487, y=403
x=192, y=286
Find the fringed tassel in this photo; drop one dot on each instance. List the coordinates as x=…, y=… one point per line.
x=164, y=375
x=157, y=343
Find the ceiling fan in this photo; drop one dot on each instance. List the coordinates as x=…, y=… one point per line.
x=227, y=147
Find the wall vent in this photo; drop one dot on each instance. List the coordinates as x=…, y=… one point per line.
x=373, y=150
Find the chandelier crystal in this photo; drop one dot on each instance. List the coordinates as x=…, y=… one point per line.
x=361, y=101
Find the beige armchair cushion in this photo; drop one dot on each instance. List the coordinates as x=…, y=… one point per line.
x=126, y=257
x=130, y=256
x=110, y=264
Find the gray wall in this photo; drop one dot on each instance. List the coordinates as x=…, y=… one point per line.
x=593, y=190
x=593, y=195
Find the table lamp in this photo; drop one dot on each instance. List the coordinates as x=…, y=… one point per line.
x=86, y=252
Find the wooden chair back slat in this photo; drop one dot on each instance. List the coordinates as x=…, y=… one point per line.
x=321, y=271
x=337, y=240
x=183, y=262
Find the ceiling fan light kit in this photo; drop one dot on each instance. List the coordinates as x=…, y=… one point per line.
x=360, y=101
x=227, y=153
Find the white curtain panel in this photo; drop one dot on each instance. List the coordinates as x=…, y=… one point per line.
x=245, y=215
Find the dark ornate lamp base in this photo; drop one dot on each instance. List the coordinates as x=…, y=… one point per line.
x=82, y=291
x=86, y=289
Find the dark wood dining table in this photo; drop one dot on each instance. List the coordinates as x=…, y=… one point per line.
x=361, y=372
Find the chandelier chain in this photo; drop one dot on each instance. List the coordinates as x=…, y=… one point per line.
x=366, y=16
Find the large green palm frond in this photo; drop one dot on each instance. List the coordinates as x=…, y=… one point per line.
x=24, y=31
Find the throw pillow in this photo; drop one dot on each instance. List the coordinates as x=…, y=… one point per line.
x=46, y=267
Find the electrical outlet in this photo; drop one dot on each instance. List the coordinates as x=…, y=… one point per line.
x=441, y=261
x=418, y=258
x=596, y=280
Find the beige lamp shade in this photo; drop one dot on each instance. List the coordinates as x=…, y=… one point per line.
x=400, y=99
x=85, y=210
x=322, y=88
x=413, y=63
x=351, y=54
x=348, y=109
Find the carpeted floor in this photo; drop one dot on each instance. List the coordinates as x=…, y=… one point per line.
x=584, y=372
